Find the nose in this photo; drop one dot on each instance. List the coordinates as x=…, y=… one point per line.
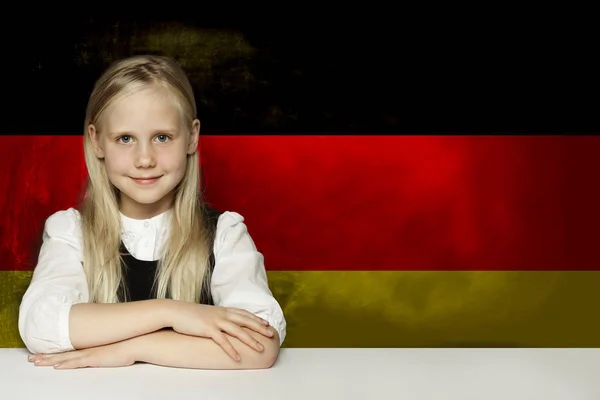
x=144, y=157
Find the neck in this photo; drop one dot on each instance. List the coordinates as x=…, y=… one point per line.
x=135, y=210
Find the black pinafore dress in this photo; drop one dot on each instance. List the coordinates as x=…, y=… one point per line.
x=138, y=275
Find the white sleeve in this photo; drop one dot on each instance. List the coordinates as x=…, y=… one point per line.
x=239, y=279
x=58, y=281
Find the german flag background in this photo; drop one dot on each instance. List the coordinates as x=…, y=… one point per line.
x=431, y=192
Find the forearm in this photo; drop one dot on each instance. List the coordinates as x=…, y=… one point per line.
x=169, y=348
x=93, y=325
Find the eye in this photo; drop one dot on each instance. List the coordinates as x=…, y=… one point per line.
x=163, y=138
x=124, y=139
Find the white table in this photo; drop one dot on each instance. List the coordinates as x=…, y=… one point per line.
x=314, y=374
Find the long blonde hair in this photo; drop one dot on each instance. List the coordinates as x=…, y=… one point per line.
x=182, y=271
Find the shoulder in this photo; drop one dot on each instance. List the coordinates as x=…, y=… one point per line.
x=228, y=219
x=222, y=220
x=64, y=225
x=230, y=222
x=232, y=231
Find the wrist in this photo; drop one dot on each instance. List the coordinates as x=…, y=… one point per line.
x=166, y=312
x=133, y=348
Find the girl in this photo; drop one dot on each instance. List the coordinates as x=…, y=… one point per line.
x=144, y=270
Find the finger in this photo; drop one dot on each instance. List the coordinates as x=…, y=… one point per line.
x=237, y=332
x=248, y=314
x=250, y=323
x=38, y=356
x=51, y=359
x=226, y=345
x=236, y=312
x=76, y=362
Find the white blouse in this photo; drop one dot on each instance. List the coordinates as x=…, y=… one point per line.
x=239, y=278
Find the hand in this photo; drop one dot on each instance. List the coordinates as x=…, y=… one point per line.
x=112, y=355
x=214, y=322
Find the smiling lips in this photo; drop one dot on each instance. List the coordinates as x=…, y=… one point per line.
x=146, y=181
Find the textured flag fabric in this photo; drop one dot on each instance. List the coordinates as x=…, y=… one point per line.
x=374, y=240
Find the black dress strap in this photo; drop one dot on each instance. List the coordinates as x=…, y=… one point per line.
x=211, y=217
x=138, y=277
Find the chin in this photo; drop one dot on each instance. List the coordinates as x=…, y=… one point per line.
x=147, y=196
x=147, y=201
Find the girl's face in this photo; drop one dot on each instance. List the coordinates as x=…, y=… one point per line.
x=145, y=146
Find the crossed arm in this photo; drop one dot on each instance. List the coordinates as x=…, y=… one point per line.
x=165, y=332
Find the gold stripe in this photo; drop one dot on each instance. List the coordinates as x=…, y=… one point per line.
x=412, y=309
x=12, y=287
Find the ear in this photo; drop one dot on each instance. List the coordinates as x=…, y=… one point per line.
x=98, y=150
x=194, y=135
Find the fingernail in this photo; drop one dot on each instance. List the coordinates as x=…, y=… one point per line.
x=264, y=321
x=237, y=357
x=260, y=347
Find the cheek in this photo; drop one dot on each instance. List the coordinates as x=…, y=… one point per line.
x=173, y=163
x=115, y=163
x=172, y=159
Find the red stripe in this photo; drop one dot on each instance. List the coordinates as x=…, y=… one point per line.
x=360, y=202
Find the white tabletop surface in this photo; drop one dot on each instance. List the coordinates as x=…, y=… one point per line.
x=313, y=374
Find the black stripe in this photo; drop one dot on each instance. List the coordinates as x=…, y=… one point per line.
x=309, y=78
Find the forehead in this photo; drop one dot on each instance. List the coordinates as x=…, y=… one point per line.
x=143, y=111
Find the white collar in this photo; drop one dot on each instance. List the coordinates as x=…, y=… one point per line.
x=137, y=225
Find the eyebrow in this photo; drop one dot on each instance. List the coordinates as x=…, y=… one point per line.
x=171, y=131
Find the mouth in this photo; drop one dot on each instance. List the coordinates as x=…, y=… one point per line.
x=146, y=180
